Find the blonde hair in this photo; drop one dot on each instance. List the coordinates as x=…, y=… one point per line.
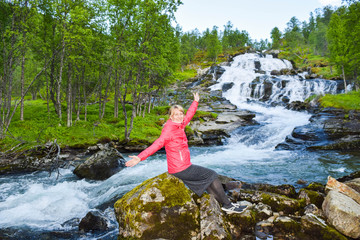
x=171, y=110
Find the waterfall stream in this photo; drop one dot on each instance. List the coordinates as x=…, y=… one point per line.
x=36, y=203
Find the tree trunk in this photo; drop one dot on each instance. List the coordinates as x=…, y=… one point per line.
x=22, y=86
x=52, y=74
x=58, y=90
x=343, y=73
x=116, y=96
x=99, y=92
x=106, y=94
x=69, y=98
x=24, y=17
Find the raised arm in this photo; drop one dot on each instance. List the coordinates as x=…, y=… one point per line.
x=192, y=109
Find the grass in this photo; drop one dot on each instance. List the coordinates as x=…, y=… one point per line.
x=348, y=101
x=40, y=126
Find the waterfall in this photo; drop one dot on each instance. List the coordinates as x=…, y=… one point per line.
x=251, y=79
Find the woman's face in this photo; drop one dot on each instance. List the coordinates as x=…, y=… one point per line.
x=177, y=116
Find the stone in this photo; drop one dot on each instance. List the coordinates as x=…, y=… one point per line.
x=284, y=226
x=354, y=184
x=169, y=212
x=333, y=184
x=93, y=222
x=212, y=220
x=316, y=228
x=101, y=165
x=343, y=213
x=311, y=197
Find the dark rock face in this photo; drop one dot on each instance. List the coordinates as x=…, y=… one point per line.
x=227, y=86
x=329, y=129
x=40, y=158
x=93, y=222
x=101, y=165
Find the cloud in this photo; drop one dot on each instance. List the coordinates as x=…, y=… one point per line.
x=330, y=2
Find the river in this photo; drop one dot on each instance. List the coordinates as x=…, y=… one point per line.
x=39, y=206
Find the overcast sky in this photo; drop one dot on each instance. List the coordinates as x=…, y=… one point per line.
x=257, y=17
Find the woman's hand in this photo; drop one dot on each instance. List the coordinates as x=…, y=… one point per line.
x=133, y=161
x=196, y=97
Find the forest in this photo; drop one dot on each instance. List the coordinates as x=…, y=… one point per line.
x=115, y=59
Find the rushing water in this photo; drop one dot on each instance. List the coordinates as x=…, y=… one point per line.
x=35, y=206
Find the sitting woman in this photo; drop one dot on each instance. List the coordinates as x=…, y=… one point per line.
x=197, y=178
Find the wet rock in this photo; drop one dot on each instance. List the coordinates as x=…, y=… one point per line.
x=227, y=86
x=93, y=221
x=101, y=165
x=213, y=132
x=45, y=157
x=349, y=177
x=275, y=72
x=343, y=213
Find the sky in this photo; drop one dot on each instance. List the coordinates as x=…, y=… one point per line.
x=257, y=17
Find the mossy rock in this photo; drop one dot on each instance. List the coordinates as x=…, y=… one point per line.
x=315, y=186
x=161, y=207
x=285, y=227
x=316, y=228
x=311, y=196
x=242, y=223
x=281, y=203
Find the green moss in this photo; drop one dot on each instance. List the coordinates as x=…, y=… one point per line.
x=288, y=226
x=329, y=233
x=245, y=221
x=281, y=203
x=315, y=186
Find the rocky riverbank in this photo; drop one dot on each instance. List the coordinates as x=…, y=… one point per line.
x=163, y=208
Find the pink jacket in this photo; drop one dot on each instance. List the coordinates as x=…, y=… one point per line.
x=176, y=144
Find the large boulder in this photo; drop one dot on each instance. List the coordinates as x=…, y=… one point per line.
x=161, y=207
x=343, y=213
x=316, y=228
x=101, y=165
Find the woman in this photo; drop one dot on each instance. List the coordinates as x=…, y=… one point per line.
x=197, y=178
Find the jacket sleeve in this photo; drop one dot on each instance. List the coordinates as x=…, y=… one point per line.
x=153, y=148
x=190, y=112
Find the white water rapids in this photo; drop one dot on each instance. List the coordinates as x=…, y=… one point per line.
x=40, y=203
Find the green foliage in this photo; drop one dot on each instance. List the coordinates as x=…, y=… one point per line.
x=275, y=37
x=40, y=127
x=350, y=101
x=185, y=74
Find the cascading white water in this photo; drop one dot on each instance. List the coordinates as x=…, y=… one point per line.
x=250, y=82
x=39, y=203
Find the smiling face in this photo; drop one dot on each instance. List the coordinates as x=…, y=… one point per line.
x=177, y=114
